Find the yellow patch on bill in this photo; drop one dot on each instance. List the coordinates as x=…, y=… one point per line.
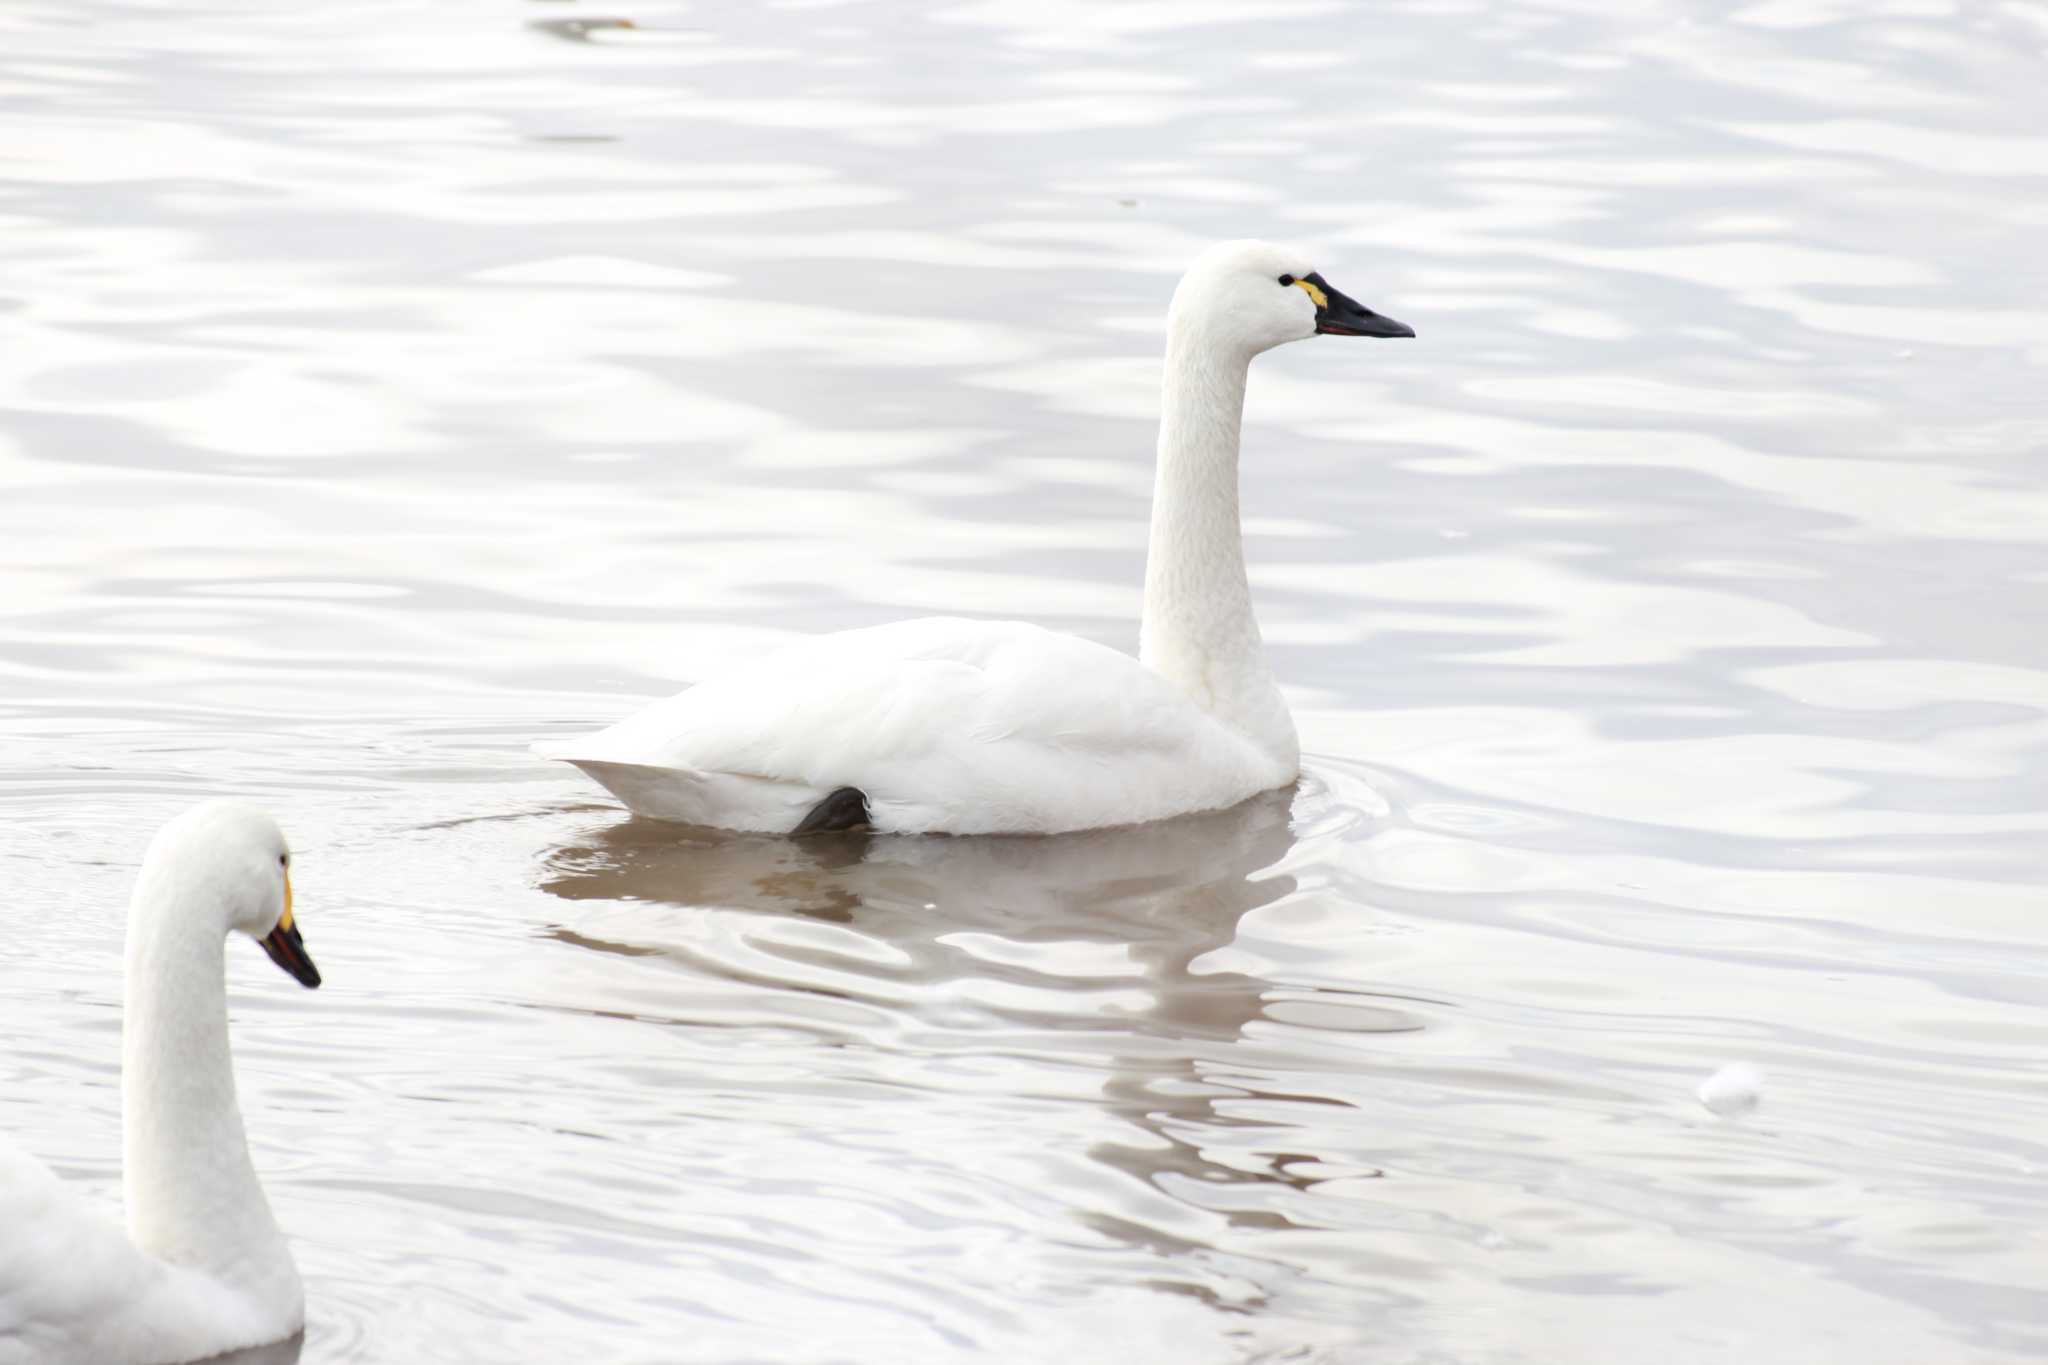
x=1322, y=299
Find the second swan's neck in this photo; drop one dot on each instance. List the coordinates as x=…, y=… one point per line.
x=1199, y=632
x=192, y=1195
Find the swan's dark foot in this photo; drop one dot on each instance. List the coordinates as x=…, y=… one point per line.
x=844, y=809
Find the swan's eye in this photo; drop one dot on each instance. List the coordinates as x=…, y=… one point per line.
x=1286, y=281
x=284, y=860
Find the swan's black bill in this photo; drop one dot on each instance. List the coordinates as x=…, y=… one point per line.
x=288, y=951
x=1339, y=315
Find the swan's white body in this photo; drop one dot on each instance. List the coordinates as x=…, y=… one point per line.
x=202, y=1267
x=974, y=727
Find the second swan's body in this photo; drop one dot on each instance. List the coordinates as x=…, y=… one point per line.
x=973, y=727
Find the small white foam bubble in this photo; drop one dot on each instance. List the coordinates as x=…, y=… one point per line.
x=1734, y=1089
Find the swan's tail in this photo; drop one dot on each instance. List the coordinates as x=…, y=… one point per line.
x=692, y=797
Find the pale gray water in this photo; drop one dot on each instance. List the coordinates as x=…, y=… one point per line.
x=385, y=385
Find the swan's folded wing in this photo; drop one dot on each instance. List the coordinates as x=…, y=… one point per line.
x=947, y=724
x=824, y=710
x=65, y=1264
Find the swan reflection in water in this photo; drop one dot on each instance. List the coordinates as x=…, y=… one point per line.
x=1097, y=935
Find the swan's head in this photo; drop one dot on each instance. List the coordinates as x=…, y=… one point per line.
x=1253, y=296
x=230, y=858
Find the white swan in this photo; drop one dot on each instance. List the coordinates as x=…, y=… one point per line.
x=202, y=1268
x=975, y=727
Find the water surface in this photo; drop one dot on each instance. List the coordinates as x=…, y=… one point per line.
x=384, y=386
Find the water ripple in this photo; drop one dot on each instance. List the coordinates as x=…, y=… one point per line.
x=385, y=386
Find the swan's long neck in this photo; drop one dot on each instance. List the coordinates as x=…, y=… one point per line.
x=1199, y=632
x=191, y=1192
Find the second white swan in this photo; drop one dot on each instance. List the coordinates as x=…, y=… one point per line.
x=202, y=1267
x=983, y=727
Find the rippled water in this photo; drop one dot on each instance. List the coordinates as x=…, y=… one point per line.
x=383, y=386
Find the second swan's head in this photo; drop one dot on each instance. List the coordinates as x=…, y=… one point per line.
x=227, y=861
x=1253, y=296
